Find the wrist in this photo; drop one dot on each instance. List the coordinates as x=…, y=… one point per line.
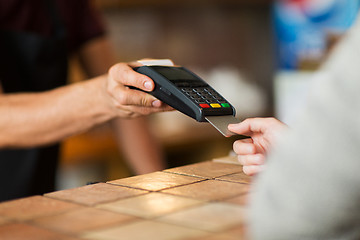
x=99, y=99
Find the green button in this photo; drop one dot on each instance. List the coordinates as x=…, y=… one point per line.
x=225, y=105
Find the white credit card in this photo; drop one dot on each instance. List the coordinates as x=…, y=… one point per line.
x=221, y=123
x=156, y=62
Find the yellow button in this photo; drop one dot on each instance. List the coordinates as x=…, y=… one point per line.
x=215, y=105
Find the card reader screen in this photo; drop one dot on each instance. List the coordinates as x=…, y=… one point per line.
x=174, y=74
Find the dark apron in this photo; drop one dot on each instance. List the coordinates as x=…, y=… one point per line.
x=31, y=63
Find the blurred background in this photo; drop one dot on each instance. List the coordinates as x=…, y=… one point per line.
x=258, y=54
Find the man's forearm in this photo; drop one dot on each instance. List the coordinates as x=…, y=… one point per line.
x=30, y=119
x=141, y=148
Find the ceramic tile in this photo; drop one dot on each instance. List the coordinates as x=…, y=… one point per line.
x=214, y=217
x=213, y=236
x=156, y=181
x=31, y=207
x=81, y=220
x=207, y=169
x=150, y=205
x=95, y=194
x=237, y=231
x=145, y=230
x=19, y=231
x=3, y=220
x=236, y=177
x=209, y=190
x=239, y=200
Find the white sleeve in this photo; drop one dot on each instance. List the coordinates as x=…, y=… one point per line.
x=311, y=186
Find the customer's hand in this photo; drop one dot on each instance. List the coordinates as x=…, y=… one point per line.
x=130, y=102
x=263, y=133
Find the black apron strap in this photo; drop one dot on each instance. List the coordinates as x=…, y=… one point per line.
x=30, y=63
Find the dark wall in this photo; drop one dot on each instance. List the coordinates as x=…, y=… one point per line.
x=202, y=36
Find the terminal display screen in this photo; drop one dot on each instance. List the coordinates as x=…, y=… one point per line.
x=174, y=74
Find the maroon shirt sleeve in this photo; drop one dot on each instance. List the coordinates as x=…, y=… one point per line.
x=82, y=22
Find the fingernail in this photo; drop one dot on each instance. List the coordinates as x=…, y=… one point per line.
x=156, y=103
x=148, y=85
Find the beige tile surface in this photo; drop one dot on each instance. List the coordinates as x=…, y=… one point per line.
x=239, y=200
x=207, y=169
x=82, y=219
x=150, y=205
x=20, y=231
x=181, y=203
x=31, y=207
x=213, y=236
x=237, y=231
x=145, y=230
x=209, y=190
x=94, y=194
x=236, y=177
x=156, y=181
x=212, y=217
x=3, y=220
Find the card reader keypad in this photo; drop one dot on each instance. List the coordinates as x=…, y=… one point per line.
x=205, y=97
x=186, y=92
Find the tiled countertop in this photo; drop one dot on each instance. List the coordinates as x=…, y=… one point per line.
x=200, y=201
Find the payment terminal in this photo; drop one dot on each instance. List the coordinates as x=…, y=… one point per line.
x=188, y=93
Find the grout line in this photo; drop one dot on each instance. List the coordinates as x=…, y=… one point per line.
x=159, y=190
x=96, y=204
x=189, y=175
x=109, y=226
x=225, y=180
x=185, y=174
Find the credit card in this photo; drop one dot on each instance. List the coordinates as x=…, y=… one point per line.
x=221, y=123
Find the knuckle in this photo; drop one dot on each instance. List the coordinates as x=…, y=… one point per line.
x=122, y=99
x=145, y=102
x=246, y=121
x=118, y=70
x=109, y=90
x=146, y=111
x=113, y=69
x=128, y=114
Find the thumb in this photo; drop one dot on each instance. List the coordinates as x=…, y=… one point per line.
x=123, y=74
x=238, y=128
x=246, y=127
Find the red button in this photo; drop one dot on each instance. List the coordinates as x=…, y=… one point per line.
x=204, y=105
